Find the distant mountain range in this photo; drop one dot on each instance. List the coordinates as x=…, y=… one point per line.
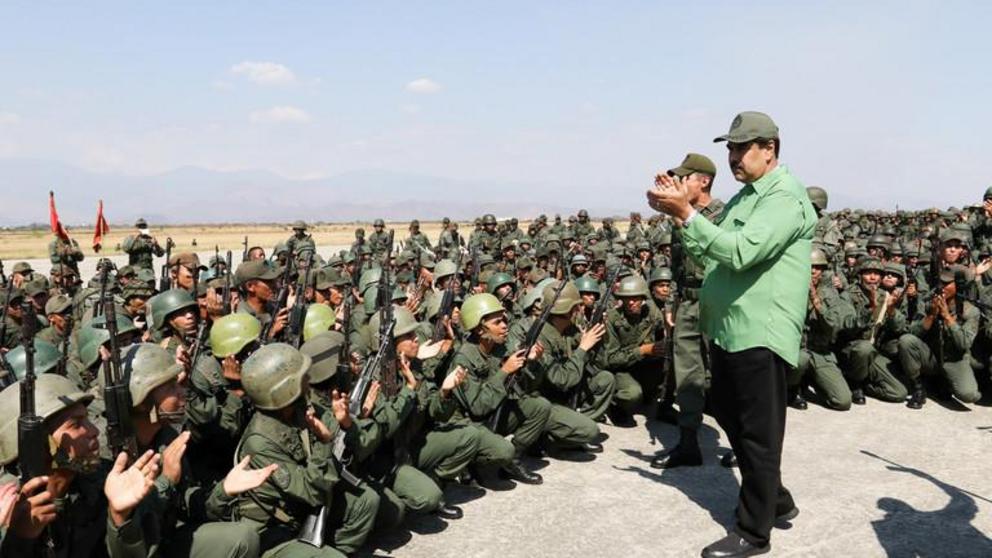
x=198, y=195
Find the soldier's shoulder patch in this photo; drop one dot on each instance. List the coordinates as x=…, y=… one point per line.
x=281, y=478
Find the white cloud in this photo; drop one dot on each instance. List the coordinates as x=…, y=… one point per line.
x=423, y=85
x=9, y=118
x=279, y=115
x=264, y=73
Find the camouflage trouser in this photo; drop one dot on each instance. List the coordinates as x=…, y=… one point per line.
x=917, y=359
x=866, y=367
x=821, y=370
x=691, y=365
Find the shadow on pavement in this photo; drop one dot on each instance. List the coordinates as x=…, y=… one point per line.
x=711, y=487
x=907, y=531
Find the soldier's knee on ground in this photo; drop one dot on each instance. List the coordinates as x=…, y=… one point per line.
x=839, y=402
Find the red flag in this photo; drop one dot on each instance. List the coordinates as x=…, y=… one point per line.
x=102, y=228
x=53, y=216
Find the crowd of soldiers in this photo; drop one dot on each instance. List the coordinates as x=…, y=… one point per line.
x=290, y=404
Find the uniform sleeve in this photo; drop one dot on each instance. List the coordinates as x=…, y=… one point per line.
x=777, y=220
x=483, y=390
x=562, y=373
x=962, y=334
x=615, y=355
x=309, y=484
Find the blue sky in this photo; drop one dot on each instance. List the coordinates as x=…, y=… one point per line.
x=878, y=103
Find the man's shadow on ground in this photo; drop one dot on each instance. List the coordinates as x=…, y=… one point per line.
x=907, y=531
x=711, y=487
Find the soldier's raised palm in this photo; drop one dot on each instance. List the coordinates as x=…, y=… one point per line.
x=242, y=479
x=125, y=489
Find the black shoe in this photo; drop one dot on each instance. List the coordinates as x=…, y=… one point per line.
x=468, y=477
x=729, y=460
x=917, y=398
x=796, y=401
x=516, y=471
x=858, y=396
x=449, y=511
x=592, y=447
x=677, y=457
x=733, y=546
x=620, y=417
x=783, y=520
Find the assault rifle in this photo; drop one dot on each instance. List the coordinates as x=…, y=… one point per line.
x=387, y=365
x=530, y=340
x=279, y=302
x=225, y=298
x=299, y=311
x=244, y=253
x=598, y=316
x=474, y=278
x=32, y=437
x=165, y=280
x=447, y=303
x=116, y=392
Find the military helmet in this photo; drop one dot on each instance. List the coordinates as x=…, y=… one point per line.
x=583, y=213
x=988, y=194
x=497, y=280
x=324, y=350
x=895, y=269
x=147, y=366
x=818, y=257
x=415, y=223
x=444, y=268
x=319, y=318
x=579, y=259
x=586, y=284
x=273, y=376
x=660, y=274
x=870, y=264
x=165, y=303
x=477, y=307
x=488, y=219
x=379, y=223
x=141, y=224
x=405, y=323
x=369, y=277
x=567, y=300
x=299, y=226
x=46, y=358
x=52, y=394
x=93, y=334
x=532, y=297
x=631, y=286
x=230, y=334
x=446, y=220
x=817, y=196
x=878, y=241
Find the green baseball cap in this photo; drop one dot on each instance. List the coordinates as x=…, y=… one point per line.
x=694, y=162
x=749, y=126
x=255, y=269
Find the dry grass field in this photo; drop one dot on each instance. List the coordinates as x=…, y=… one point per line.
x=26, y=244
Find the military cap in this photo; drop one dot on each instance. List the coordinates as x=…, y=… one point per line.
x=870, y=264
x=126, y=271
x=349, y=258
x=955, y=233
x=299, y=226
x=36, y=286
x=525, y=263
x=141, y=224
x=749, y=126
x=58, y=304
x=330, y=277
x=255, y=269
x=15, y=296
x=22, y=267
x=694, y=162
x=188, y=260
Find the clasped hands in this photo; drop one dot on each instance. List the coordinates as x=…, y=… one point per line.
x=670, y=195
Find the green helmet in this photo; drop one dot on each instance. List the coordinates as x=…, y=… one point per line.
x=477, y=307
x=660, y=274
x=370, y=276
x=583, y=213
x=52, y=394
x=587, y=284
x=433, y=304
x=531, y=297
x=488, y=219
x=324, y=350
x=497, y=280
x=379, y=223
x=299, y=226
x=444, y=268
x=567, y=300
x=988, y=193
x=320, y=318
x=631, y=286
x=93, y=335
x=165, y=303
x=878, y=241
x=233, y=332
x=273, y=376
x=405, y=323
x=46, y=358
x=818, y=257
x=149, y=366
x=817, y=196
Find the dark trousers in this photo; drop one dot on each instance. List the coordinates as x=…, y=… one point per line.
x=748, y=392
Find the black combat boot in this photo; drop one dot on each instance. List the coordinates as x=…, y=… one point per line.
x=796, y=399
x=685, y=454
x=858, y=396
x=917, y=398
x=517, y=471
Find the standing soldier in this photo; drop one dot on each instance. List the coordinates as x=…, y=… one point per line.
x=583, y=227
x=827, y=231
x=635, y=232
x=690, y=347
x=609, y=234
x=487, y=240
x=142, y=248
x=378, y=241
x=300, y=240
x=417, y=241
x=66, y=253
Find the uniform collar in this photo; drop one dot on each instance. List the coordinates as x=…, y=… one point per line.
x=762, y=184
